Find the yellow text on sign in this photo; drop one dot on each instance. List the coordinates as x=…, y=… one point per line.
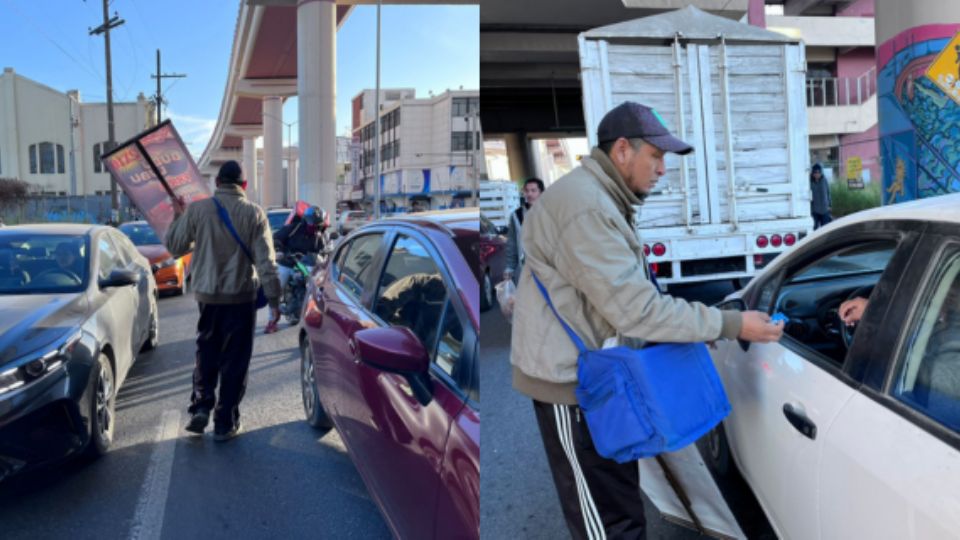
x=945, y=70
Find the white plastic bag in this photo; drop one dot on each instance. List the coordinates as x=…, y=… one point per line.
x=506, y=292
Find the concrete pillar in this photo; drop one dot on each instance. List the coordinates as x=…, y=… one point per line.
x=10, y=134
x=250, y=168
x=518, y=157
x=910, y=38
x=271, y=188
x=292, y=187
x=316, y=92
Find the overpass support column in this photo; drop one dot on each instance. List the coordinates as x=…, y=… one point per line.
x=271, y=189
x=250, y=168
x=316, y=91
x=293, y=191
x=518, y=156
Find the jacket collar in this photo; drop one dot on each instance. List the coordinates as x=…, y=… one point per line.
x=602, y=168
x=231, y=190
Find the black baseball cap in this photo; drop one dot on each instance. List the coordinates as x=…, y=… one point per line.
x=230, y=172
x=635, y=121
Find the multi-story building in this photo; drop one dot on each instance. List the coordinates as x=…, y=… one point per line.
x=53, y=141
x=429, y=148
x=841, y=79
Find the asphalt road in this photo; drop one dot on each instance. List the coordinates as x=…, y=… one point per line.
x=518, y=498
x=280, y=479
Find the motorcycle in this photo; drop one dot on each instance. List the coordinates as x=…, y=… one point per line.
x=296, y=287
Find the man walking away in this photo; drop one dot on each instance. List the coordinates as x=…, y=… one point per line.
x=532, y=189
x=225, y=285
x=581, y=242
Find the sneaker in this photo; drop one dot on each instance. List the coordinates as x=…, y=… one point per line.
x=198, y=422
x=221, y=436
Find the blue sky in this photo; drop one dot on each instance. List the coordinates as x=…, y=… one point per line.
x=423, y=47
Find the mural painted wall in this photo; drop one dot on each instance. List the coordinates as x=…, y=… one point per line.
x=919, y=110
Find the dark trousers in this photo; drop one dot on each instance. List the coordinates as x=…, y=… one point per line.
x=600, y=498
x=819, y=220
x=224, y=347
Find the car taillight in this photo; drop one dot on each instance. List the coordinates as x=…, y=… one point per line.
x=659, y=249
x=762, y=241
x=790, y=239
x=646, y=250
x=776, y=240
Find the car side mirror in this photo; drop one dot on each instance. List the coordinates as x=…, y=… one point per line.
x=334, y=236
x=121, y=277
x=397, y=349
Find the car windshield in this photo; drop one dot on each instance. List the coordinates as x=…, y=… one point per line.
x=868, y=258
x=140, y=234
x=276, y=219
x=33, y=263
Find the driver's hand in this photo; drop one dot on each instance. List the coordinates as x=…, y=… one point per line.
x=851, y=311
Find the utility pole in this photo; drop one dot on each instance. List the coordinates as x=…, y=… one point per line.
x=159, y=76
x=104, y=29
x=376, y=136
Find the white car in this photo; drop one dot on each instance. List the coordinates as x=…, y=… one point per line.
x=853, y=434
x=352, y=219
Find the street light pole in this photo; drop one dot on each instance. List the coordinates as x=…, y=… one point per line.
x=376, y=135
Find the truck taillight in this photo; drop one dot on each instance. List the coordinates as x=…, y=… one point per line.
x=776, y=240
x=646, y=250
x=758, y=261
x=762, y=241
x=655, y=268
x=790, y=239
x=659, y=249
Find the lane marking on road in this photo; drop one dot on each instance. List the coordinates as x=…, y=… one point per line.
x=148, y=520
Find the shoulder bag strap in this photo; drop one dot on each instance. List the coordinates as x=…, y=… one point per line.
x=225, y=217
x=573, y=335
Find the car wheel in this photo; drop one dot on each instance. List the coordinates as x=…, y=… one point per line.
x=153, y=339
x=312, y=407
x=103, y=410
x=486, y=293
x=716, y=451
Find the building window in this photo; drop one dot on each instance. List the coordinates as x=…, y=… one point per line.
x=33, y=159
x=464, y=106
x=60, y=165
x=460, y=140
x=48, y=156
x=98, y=150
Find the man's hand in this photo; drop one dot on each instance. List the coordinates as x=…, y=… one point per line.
x=758, y=328
x=851, y=311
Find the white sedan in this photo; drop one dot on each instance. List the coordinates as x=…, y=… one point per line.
x=853, y=432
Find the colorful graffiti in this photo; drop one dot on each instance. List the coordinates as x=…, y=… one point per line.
x=919, y=120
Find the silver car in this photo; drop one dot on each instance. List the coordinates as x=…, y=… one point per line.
x=78, y=303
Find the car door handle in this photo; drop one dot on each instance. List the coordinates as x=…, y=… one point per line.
x=798, y=419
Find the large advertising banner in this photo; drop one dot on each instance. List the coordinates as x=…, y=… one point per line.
x=918, y=87
x=155, y=169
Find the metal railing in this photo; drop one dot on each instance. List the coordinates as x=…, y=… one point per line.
x=839, y=91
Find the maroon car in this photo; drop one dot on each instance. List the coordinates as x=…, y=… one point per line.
x=389, y=351
x=493, y=259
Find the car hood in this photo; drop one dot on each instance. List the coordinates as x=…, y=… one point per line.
x=33, y=321
x=154, y=252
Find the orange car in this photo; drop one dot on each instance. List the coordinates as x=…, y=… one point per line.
x=169, y=272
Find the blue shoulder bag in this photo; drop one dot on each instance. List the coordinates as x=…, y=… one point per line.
x=225, y=217
x=641, y=402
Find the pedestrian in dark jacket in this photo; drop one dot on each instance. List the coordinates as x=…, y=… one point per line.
x=225, y=282
x=532, y=189
x=820, y=203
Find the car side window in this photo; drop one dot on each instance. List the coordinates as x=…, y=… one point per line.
x=357, y=262
x=810, y=297
x=450, y=342
x=411, y=292
x=928, y=379
x=107, y=256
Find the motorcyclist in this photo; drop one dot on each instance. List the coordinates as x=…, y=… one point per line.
x=304, y=235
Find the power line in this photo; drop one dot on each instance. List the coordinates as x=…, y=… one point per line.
x=159, y=77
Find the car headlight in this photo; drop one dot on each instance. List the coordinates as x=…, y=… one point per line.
x=166, y=263
x=51, y=359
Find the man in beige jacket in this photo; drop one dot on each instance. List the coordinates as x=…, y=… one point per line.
x=581, y=242
x=225, y=285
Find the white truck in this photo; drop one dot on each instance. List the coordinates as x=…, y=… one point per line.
x=736, y=93
x=498, y=199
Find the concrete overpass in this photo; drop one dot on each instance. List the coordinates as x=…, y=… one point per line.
x=284, y=48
